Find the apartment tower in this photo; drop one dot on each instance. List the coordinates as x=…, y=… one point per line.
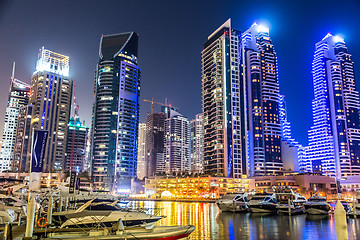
x=116, y=113
x=18, y=98
x=334, y=138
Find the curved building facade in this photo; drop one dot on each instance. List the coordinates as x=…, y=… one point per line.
x=116, y=113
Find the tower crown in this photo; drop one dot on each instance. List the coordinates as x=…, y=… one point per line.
x=52, y=62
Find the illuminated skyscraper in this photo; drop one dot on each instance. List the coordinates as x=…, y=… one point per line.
x=116, y=113
x=259, y=68
x=225, y=149
x=177, y=151
x=334, y=138
x=197, y=146
x=141, y=157
x=51, y=94
x=76, y=145
x=18, y=97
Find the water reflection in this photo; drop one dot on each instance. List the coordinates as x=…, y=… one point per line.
x=212, y=224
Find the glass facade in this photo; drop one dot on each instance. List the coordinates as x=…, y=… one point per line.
x=334, y=138
x=115, y=112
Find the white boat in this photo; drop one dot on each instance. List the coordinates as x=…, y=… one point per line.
x=284, y=195
x=317, y=205
x=93, y=214
x=263, y=203
x=233, y=202
x=159, y=232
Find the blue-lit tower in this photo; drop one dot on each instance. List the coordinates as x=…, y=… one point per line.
x=260, y=78
x=334, y=138
x=116, y=113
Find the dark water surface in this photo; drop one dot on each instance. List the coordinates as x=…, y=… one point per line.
x=211, y=223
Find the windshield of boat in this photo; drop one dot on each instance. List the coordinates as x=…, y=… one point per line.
x=229, y=196
x=257, y=198
x=317, y=200
x=102, y=207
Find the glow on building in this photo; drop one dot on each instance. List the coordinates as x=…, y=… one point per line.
x=52, y=62
x=334, y=138
x=197, y=187
x=260, y=73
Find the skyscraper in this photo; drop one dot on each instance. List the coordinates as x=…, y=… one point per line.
x=197, y=136
x=18, y=97
x=177, y=151
x=334, y=138
x=259, y=69
x=141, y=157
x=155, y=130
x=51, y=94
x=76, y=145
x=116, y=112
x=23, y=134
x=225, y=151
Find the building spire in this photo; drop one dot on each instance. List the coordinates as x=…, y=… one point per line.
x=13, y=72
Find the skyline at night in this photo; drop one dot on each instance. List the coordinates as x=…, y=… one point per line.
x=170, y=44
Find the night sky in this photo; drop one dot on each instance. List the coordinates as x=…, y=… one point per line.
x=172, y=34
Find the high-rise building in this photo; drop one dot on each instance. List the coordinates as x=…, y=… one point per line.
x=259, y=69
x=197, y=135
x=18, y=97
x=225, y=149
x=116, y=113
x=51, y=94
x=23, y=134
x=141, y=157
x=76, y=146
x=292, y=152
x=334, y=138
x=155, y=132
x=176, y=157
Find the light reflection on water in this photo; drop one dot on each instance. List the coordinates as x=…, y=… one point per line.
x=210, y=223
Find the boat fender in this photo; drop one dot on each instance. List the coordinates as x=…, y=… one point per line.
x=42, y=222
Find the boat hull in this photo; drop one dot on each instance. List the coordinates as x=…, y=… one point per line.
x=232, y=207
x=316, y=211
x=293, y=211
x=160, y=233
x=263, y=208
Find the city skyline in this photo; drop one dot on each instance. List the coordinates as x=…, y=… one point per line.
x=165, y=47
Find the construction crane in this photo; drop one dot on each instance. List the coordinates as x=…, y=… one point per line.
x=162, y=104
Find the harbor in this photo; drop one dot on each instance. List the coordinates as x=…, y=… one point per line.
x=61, y=212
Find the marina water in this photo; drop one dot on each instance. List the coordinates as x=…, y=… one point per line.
x=210, y=223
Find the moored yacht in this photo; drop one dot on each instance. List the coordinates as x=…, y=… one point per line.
x=284, y=196
x=317, y=205
x=263, y=203
x=233, y=202
x=90, y=214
